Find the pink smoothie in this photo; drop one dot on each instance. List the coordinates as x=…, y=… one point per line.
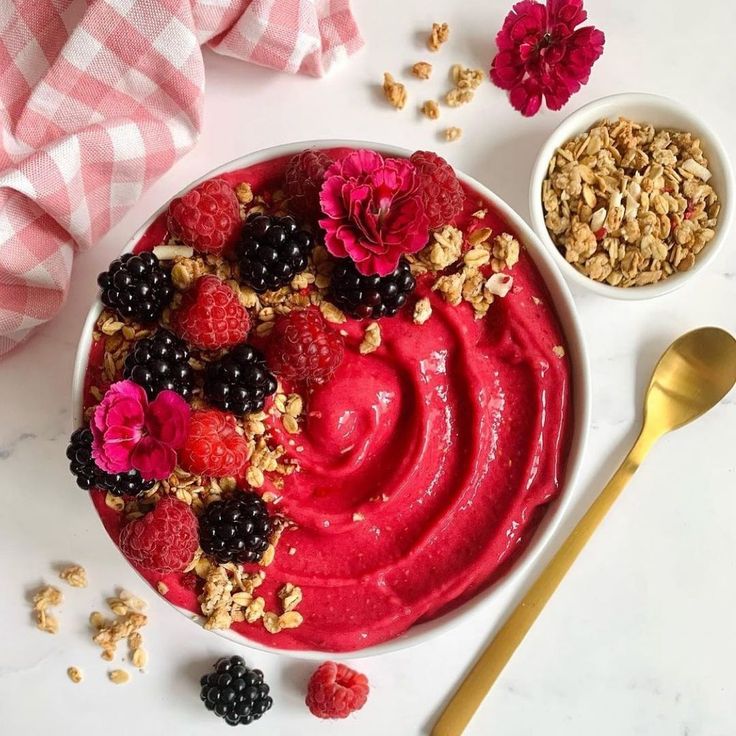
x=426, y=466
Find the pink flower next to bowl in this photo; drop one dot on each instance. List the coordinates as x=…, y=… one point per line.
x=378, y=422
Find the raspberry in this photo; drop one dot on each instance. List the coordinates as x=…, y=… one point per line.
x=303, y=179
x=335, y=691
x=164, y=540
x=211, y=316
x=213, y=446
x=207, y=217
x=303, y=348
x=440, y=189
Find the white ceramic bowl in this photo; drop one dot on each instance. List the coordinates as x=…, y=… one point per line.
x=661, y=112
x=514, y=582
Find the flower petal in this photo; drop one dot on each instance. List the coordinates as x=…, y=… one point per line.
x=167, y=419
x=153, y=459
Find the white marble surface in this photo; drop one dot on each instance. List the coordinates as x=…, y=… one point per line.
x=638, y=640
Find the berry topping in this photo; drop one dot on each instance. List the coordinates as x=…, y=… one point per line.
x=236, y=529
x=207, y=217
x=235, y=692
x=370, y=297
x=136, y=287
x=211, y=316
x=164, y=540
x=79, y=453
x=271, y=251
x=303, y=348
x=302, y=182
x=159, y=363
x=213, y=446
x=439, y=187
x=240, y=381
x=335, y=691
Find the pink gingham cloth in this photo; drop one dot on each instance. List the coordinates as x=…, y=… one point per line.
x=100, y=97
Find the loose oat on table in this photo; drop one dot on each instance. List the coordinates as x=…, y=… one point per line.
x=422, y=70
x=431, y=109
x=119, y=677
x=393, y=91
x=453, y=133
x=74, y=575
x=628, y=204
x=438, y=35
x=74, y=674
x=44, y=599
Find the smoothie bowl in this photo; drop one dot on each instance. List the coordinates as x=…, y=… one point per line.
x=340, y=403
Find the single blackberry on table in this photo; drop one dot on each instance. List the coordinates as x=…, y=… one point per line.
x=235, y=692
x=271, y=251
x=370, y=297
x=235, y=529
x=136, y=287
x=240, y=381
x=160, y=362
x=79, y=453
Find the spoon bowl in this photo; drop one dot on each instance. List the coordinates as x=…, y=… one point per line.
x=692, y=376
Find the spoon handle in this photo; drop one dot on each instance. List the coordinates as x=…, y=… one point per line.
x=488, y=667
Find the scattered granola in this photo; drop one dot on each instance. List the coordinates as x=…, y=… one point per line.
x=394, y=91
x=453, y=133
x=431, y=109
x=422, y=311
x=75, y=674
x=74, y=575
x=371, y=339
x=628, y=204
x=422, y=70
x=119, y=677
x=45, y=598
x=438, y=35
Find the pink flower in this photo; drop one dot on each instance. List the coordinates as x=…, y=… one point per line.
x=374, y=212
x=129, y=433
x=542, y=53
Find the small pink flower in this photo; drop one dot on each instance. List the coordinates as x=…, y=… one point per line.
x=542, y=55
x=129, y=433
x=373, y=211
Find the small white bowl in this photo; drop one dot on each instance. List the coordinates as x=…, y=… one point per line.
x=529, y=563
x=661, y=112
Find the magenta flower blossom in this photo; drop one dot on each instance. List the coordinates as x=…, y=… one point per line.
x=129, y=433
x=373, y=211
x=542, y=54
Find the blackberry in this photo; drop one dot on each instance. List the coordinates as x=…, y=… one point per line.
x=235, y=692
x=136, y=287
x=271, y=251
x=235, y=529
x=370, y=297
x=240, y=381
x=160, y=362
x=79, y=453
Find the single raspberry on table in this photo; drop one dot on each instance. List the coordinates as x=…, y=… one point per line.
x=207, y=217
x=303, y=348
x=165, y=539
x=211, y=316
x=335, y=691
x=439, y=187
x=303, y=179
x=213, y=446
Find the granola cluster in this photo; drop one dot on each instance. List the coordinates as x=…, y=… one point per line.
x=468, y=267
x=630, y=205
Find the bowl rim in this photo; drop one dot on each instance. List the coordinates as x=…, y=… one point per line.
x=574, y=124
x=517, y=578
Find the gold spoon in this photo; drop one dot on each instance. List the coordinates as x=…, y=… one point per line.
x=692, y=376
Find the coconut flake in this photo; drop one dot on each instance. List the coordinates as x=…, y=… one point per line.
x=169, y=252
